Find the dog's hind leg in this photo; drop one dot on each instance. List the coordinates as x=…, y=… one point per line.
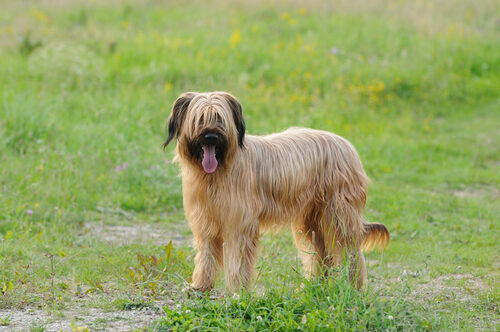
x=240, y=253
x=310, y=245
x=357, y=271
x=343, y=246
x=207, y=260
x=353, y=259
x=325, y=241
x=305, y=249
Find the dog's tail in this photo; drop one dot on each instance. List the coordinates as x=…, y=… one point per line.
x=375, y=236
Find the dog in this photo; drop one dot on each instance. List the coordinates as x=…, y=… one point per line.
x=236, y=185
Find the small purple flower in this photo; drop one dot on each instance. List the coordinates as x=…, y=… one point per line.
x=167, y=161
x=155, y=167
x=334, y=50
x=121, y=167
x=30, y=212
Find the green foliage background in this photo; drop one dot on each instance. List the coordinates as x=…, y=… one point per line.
x=86, y=87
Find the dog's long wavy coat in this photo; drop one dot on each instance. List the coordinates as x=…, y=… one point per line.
x=235, y=185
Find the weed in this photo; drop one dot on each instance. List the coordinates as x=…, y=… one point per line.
x=5, y=321
x=129, y=304
x=37, y=326
x=26, y=45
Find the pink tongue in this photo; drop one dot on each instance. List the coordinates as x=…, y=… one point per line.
x=209, y=162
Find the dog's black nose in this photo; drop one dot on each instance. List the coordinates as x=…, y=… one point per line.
x=211, y=137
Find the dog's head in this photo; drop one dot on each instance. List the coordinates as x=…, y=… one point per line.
x=208, y=126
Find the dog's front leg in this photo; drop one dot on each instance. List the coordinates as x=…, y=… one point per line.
x=207, y=259
x=240, y=253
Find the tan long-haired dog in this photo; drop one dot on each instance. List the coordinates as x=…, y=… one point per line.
x=235, y=185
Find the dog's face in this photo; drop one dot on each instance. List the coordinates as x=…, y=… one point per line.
x=209, y=128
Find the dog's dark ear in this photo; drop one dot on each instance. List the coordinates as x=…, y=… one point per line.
x=235, y=106
x=176, y=118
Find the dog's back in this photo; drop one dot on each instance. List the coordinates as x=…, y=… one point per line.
x=300, y=165
x=314, y=154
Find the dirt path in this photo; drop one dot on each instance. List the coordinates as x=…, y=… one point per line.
x=79, y=319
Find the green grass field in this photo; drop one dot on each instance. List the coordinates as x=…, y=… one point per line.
x=89, y=202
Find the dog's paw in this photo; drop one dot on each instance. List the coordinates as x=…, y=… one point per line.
x=196, y=292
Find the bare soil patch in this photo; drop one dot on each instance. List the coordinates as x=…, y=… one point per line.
x=79, y=319
x=158, y=234
x=477, y=192
x=457, y=287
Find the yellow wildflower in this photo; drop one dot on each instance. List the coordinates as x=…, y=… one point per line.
x=235, y=38
x=284, y=16
x=168, y=86
x=39, y=15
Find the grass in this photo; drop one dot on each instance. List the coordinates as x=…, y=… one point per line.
x=86, y=87
x=317, y=305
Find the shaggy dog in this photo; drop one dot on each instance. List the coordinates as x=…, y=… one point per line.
x=236, y=185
